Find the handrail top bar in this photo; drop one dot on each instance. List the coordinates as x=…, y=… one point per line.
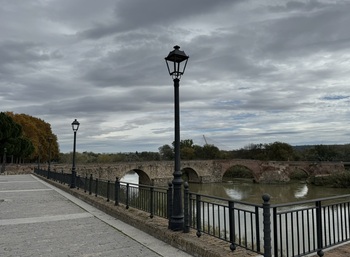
x=309, y=201
x=228, y=200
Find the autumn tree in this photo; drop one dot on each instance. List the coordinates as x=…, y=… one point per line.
x=39, y=133
x=13, y=139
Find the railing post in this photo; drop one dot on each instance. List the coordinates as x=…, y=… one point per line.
x=127, y=195
x=85, y=184
x=116, y=191
x=96, y=187
x=198, y=215
x=170, y=202
x=186, y=209
x=231, y=215
x=90, y=185
x=267, y=225
x=108, y=182
x=319, y=228
x=151, y=202
x=78, y=182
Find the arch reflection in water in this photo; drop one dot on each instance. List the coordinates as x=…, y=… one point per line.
x=302, y=191
x=130, y=183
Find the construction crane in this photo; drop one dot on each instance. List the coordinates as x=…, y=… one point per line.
x=205, y=140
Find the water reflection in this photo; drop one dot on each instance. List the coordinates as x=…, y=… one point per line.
x=247, y=191
x=302, y=191
x=130, y=177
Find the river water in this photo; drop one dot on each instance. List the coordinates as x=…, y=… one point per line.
x=247, y=191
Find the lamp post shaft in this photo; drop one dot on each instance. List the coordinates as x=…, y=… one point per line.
x=177, y=217
x=72, y=185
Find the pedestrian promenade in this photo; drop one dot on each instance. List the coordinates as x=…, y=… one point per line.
x=37, y=219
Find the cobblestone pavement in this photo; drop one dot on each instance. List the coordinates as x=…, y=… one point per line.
x=37, y=219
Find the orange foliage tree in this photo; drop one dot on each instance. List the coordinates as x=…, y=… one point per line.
x=39, y=133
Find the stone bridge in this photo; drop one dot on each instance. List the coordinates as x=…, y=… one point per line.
x=203, y=171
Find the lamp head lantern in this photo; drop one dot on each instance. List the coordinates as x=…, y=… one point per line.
x=176, y=70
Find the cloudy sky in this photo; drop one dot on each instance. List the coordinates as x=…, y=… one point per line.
x=259, y=71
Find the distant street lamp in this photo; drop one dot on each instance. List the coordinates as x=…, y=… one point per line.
x=49, y=168
x=176, y=70
x=75, y=127
x=4, y=161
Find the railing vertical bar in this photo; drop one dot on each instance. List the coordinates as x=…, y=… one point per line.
x=108, y=182
x=257, y=228
x=239, y=227
x=127, y=195
x=298, y=232
x=90, y=185
x=231, y=215
x=280, y=235
x=198, y=212
x=252, y=231
x=275, y=238
x=347, y=220
x=245, y=229
x=287, y=237
x=151, y=201
x=330, y=218
x=186, y=208
x=170, y=202
x=116, y=191
x=85, y=185
x=219, y=215
x=333, y=224
x=303, y=229
x=319, y=226
x=96, y=187
x=292, y=232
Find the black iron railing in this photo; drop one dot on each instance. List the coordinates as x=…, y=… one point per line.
x=281, y=230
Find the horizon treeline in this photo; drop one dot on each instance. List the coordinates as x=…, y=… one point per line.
x=277, y=151
x=26, y=138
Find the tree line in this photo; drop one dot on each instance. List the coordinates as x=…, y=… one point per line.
x=25, y=138
x=276, y=151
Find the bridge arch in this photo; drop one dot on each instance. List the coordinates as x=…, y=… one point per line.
x=298, y=173
x=237, y=171
x=144, y=179
x=190, y=175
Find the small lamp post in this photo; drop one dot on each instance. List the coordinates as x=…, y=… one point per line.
x=49, y=167
x=4, y=161
x=75, y=127
x=174, y=64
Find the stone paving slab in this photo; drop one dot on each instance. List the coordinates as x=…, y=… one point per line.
x=37, y=219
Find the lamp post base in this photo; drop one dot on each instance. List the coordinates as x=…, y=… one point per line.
x=176, y=223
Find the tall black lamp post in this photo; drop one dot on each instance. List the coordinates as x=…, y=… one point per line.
x=3, y=161
x=49, y=167
x=176, y=70
x=75, y=127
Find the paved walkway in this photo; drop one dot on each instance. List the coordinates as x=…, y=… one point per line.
x=37, y=219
